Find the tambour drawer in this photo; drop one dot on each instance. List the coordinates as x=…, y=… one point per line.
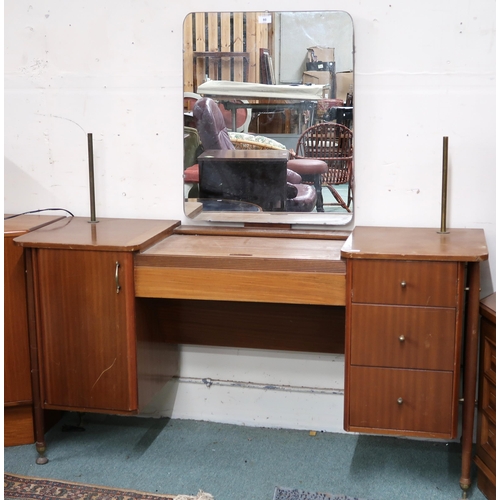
x=405, y=282
x=401, y=400
x=403, y=336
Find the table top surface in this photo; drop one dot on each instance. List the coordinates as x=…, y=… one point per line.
x=245, y=252
x=25, y=223
x=261, y=90
x=107, y=234
x=400, y=243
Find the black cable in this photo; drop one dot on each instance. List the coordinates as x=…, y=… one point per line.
x=36, y=211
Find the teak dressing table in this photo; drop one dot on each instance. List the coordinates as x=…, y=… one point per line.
x=109, y=303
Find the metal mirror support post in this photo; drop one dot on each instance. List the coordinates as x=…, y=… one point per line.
x=91, y=178
x=444, y=188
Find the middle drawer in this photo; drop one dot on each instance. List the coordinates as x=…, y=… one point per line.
x=403, y=337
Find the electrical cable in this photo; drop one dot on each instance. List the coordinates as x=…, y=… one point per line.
x=36, y=211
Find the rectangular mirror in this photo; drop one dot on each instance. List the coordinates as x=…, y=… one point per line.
x=268, y=117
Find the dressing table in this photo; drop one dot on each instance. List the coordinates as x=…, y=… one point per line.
x=109, y=302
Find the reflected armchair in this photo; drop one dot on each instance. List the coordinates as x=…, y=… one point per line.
x=214, y=136
x=331, y=143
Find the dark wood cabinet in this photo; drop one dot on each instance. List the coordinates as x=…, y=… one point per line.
x=104, y=330
x=402, y=363
x=18, y=403
x=94, y=354
x=486, y=426
x=410, y=294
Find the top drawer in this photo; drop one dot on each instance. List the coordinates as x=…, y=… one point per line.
x=418, y=283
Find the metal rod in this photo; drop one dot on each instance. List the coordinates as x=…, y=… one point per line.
x=444, y=188
x=91, y=178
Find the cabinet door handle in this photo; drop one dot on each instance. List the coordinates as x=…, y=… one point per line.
x=403, y=284
x=401, y=338
x=117, y=277
x=400, y=401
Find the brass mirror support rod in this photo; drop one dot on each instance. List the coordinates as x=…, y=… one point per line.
x=91, y=178
x=444, y=189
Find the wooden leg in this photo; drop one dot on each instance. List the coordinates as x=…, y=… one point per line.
x=470, y=373
x=35, y=377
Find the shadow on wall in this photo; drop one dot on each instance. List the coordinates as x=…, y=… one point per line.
x=16, y=176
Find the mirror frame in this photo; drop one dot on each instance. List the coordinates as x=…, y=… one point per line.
x=191, y=34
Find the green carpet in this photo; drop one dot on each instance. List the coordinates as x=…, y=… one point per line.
x=234, y=462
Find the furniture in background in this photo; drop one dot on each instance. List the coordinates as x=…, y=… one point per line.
x=258, y=177
x=214, y=136
x=331, y=143
x=405, y=316
x=215, y=61
x=18, y=397
x=90, y=334
x=239, y=120
x=192, y=149
x=162, y=289
x=189, y=101
x=266, y=67
x=95, y=331
x=485, y=458
x=269, y=98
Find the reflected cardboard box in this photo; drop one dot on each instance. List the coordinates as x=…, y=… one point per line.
x=317, y=53
x=344, y=84
x=320, y=78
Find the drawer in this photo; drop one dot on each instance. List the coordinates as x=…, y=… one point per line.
x=489, y=359
x=425, y=406
x=403, y=337
x=486, y=441
x=418, y=283
x=488, y=401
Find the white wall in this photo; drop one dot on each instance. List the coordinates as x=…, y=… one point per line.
x=423, y=70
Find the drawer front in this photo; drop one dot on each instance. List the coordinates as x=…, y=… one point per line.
x=425, y=404
x=405, y=282
x=486, y=441
x=403, y=337
x=488, y=400
x=489, y=359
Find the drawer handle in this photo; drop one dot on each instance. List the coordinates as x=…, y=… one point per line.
x=401, y=338
x=400, y=401
x=403, y=284
x=117, y=277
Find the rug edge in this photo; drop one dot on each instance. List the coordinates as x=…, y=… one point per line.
x=74, y=483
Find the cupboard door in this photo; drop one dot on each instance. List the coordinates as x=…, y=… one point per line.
x=86, y=334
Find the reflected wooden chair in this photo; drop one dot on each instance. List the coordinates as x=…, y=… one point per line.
x=331, y=143
x=243, y=116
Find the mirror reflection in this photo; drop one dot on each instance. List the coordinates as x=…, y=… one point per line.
x=268, y=117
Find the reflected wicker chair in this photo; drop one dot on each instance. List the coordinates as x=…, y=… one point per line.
x=332, y=143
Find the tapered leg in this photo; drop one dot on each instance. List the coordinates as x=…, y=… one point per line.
x=470, y=373
x=35, y=375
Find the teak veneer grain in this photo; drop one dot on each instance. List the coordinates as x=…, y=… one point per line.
x=242, y=268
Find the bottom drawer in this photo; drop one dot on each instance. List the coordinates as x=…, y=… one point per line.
x=414, y=401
